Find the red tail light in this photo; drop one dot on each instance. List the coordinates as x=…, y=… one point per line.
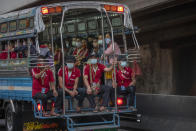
x=120, y=9
x=44, y=10
x=39, y=107
x=119, y=101
x=114, y=8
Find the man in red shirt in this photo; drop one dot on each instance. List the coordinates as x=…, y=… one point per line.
x=43, y=85
x=72, y=75
x=92, y=80
x=125, y=81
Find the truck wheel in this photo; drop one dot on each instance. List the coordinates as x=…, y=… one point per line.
x=13, y=120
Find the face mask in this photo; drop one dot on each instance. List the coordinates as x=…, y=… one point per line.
x=70, y=65
x=73, y=43
x=107, y=40
x=95, y=44
x=123, y=63
x=100, y=42
x=78, y=44
x=93, y=61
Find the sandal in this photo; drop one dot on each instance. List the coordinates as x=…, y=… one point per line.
x=103, y=109
x=78, y=109
x=45, y=114
x=96, y=109
x=54, y=114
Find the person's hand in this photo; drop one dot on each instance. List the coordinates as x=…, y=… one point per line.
x=75, y=92
x=71, y=93
x=89, y=91
x=114, y=84
x=55, y=94
x=115, y=62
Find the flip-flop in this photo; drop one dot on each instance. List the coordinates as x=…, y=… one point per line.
x=54, y=114
x=104, y=109
x=96, y=109
x=46, y=115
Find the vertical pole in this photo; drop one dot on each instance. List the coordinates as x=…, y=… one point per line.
x=63, y=64
x=52, y=42
x=103, y=39
x=124, y=36
x=113, y=48
x=8, y=55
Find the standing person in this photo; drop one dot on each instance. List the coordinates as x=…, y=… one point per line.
x=72, y=75
x=109, y=50
x=43, y=85
x=125, y=82
x=92, y=79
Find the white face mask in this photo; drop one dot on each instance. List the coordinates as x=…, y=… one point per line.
x=93, y=61
x=123, y=63
x=78, y=44
x=73, y=43
x=70, y=65
x=100, y=42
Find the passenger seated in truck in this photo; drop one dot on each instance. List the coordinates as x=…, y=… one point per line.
x=33, y=50
x=44, y=50
x=81, y=52
x=43, y=85
x=72, y=46
x=21, y=48
x=4, y=52
x=125, y=82
x=13, y=54
x=92, y=80
x=72, y=74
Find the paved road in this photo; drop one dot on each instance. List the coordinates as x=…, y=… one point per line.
x=2, y=128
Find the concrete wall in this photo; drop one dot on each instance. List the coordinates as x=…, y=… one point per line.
x=157, y=70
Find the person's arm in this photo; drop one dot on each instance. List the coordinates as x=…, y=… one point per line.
x=76, y=83
x=109, y=50
x=61, y=84
x=37, y=75
x=133, y=82
x=86, y=83
x=52, y=86
x=107, y=69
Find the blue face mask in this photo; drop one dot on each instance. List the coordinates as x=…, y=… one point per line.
x=107, y=40
x=123, y=63
x=70, y=65
x=93, y=61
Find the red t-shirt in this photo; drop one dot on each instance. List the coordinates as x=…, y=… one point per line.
x=4, y=55
x=42, y=82
x=96, y=73
x=124, y=78
x=13, y=55
x=69, y=79
x=81, y=52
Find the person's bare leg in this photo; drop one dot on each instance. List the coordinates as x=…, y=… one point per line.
x=53, y=113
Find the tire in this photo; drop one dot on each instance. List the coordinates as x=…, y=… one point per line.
x=13, y=120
